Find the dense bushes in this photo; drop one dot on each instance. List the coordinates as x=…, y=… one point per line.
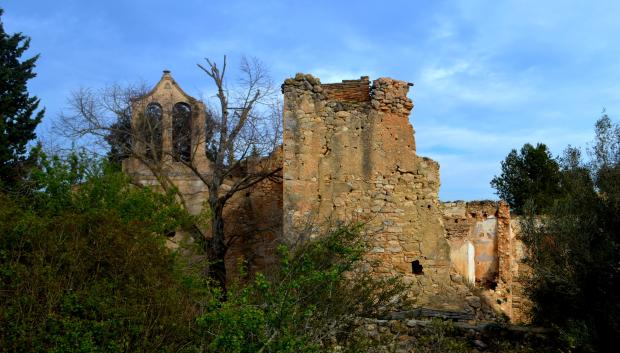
x=575, y=248
x=307, y=304
x=83, y=266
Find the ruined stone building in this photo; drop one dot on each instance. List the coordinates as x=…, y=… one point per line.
x=349, y=154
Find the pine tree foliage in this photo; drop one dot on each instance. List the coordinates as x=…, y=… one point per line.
x=574, y=249
x=18, y=110
x=530, y=175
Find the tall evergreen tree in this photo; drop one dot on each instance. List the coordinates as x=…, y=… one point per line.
x=17, y=109
x=529, y=175
x=574, y=249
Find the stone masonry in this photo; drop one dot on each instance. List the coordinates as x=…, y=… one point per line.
x=349, y=154
x=486, y=251
x=254, y=216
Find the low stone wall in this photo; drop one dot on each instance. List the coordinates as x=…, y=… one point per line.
x=418, y=335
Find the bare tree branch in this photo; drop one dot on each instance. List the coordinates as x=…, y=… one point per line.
x=242, y=126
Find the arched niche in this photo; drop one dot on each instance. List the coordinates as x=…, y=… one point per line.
x=181, y=131
x=152, y=131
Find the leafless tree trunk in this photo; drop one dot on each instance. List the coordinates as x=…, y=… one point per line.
x=241, y=123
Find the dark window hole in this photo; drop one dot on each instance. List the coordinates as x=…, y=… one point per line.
x=416, y=268
x=489, y=284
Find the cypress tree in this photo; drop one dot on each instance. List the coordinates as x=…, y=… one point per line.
x=18, y=119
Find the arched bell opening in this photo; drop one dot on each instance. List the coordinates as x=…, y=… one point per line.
x=151, y=131
x=181, y=132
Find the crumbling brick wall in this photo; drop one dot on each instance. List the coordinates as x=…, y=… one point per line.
x=254, y=220
x=253, y=217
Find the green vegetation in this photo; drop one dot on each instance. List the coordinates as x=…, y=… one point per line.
x=84, y=265
x=574, y=244
x=307, y=304
x=84, y=268
x=17, y=109
x=530, y=175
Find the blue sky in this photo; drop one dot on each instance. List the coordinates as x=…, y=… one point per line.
x=489, y=75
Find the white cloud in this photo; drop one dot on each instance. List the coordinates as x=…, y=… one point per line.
x=472, y=81
x=443, y=29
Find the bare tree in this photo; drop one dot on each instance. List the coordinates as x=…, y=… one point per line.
x=243, y=122
x=239, y=134
x=99, y=120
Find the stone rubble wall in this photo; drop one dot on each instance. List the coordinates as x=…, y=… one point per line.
x=253, y=217
x=498, y=252
x=521, y=305
x=407, y=335
x=355, y=160
x=349, y=154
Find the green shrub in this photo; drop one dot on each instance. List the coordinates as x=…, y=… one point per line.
x=84, y=267
x=307, y=304
x=574, y=250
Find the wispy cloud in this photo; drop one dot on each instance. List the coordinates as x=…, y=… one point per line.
x=489, y=76
x=470, y=81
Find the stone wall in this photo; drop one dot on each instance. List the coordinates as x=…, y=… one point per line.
x=404, y=335
x=351, y=156
x=253, y=217
x=486, y=251
x=254, y=221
